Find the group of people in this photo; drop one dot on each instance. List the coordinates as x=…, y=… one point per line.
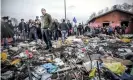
x=109, y=30
x=48, y=29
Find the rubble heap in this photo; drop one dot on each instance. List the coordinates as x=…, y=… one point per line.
x=81, y=58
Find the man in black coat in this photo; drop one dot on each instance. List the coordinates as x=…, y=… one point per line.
x=70, y=28
x=6, y=31
x=80, y=28
x=55, y=29
x=64, y=28
x=23, y=29
x=12, y=28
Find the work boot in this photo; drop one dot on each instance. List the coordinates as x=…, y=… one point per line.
x=47, y=48
x=50, y=50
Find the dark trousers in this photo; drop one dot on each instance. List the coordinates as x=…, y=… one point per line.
x=56, y=35
x=33, y=34
x=46, y=37
x=39, y=34
x=5, y=42
x=123, y=31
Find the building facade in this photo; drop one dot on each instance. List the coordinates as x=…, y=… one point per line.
x=113, y=18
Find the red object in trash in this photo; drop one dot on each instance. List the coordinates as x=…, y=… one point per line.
x=30, y=55
x=83, y=49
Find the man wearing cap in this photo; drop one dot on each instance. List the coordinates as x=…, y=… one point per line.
x=46, y=23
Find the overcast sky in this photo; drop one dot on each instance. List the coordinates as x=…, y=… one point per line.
x=81, y=9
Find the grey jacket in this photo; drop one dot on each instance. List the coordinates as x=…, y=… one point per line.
x=63, y=26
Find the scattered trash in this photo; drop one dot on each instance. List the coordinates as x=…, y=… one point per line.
x=116, y=67
x=51, y=68
x=3, y=56
x=96, y=57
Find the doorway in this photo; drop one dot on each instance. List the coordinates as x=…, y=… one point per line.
x=124, y=23
x=105, y=24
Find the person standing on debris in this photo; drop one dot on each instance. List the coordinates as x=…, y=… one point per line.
x=70, y=28
x=64, y=28
x=23, y=29
x=33, y=31
x=110, y=30
x=6, y=31
x=38, y=26
x=80, y=27
x=37, y=18
x=12, y=28
x=117, y=28
x=75, y=29
x=123, y=27
x=55, y=28
x=46, y=26
x=87, y=28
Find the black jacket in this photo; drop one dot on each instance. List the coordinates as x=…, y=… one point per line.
x=55, y=26
x=6, y=31
x=80, y=27
x=63, y=26
x=69, y=25
x=21, y=27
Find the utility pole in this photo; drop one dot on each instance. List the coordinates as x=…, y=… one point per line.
x=65, y=8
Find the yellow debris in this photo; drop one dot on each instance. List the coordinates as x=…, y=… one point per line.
x=16, y=61
x=116, y=67
x=92, y=73
x=126, y=40
x=3, y=57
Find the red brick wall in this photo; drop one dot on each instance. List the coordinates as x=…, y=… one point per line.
x=114, y=18
x=111, y=17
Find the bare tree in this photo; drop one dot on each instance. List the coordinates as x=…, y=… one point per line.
x=106, y=9
x=92, y=15
x=114, y=7
x=126, y=6
x=100, y=12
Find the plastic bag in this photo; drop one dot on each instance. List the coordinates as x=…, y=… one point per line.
x=92, y=73
x=16, y=61
x=126, y=40
x=51, y=68
x=116, y=67
x=3, y=57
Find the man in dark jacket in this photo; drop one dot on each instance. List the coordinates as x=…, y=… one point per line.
x=33, y=31
x=23, y=29
x=70, y=28
x=12, y=28
x=55, y=29
x=64, y=28
x=80, y=28
x=123, y=27
x=87, y=28
x=46, y=23
x=6, y=31
x=38, y=25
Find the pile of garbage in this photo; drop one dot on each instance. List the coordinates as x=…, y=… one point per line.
x=101, y=57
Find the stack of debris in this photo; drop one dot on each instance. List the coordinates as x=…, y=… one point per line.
x=82, y=58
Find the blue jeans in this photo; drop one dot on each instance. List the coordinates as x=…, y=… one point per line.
x=64, y=35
